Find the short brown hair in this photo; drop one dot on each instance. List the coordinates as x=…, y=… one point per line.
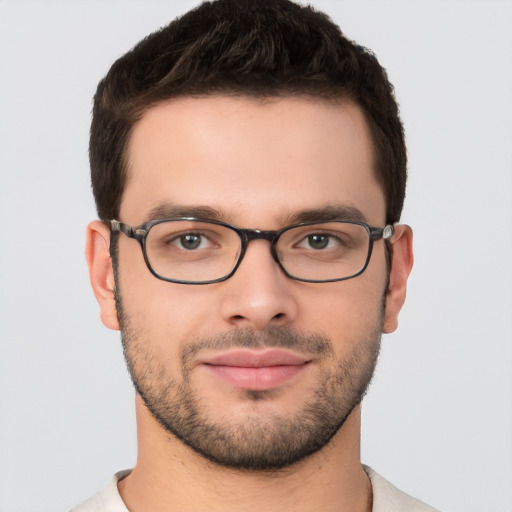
x=257, y=48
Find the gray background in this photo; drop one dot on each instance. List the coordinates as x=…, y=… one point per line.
x=438, y=419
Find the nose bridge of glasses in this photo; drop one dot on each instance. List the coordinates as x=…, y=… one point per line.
x=248, y=235
x=258, y=234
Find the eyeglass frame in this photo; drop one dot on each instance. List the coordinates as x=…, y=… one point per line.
x=141, y=232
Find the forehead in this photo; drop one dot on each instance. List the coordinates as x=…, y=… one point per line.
x=253, y=160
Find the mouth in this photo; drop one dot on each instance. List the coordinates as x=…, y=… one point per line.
x=256, y=370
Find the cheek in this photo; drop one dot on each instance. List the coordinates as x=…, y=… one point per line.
x=165, y=314
x=345, y=307
x=346, y=312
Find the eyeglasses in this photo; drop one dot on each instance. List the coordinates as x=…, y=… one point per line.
x=194, y=251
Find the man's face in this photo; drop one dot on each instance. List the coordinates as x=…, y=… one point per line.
x=260, y=370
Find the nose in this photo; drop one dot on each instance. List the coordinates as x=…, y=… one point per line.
x=259, y=294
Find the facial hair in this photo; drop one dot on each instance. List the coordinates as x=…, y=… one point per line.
x=258, y=443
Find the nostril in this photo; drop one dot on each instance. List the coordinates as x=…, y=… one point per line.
x=279, y=315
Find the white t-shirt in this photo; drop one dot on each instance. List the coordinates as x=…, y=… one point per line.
x=386, y=497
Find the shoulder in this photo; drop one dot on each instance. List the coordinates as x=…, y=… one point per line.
x=107, y=500
x=387, y=498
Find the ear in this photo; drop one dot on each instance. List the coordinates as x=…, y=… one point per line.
x=101, y=273
x=401, y=267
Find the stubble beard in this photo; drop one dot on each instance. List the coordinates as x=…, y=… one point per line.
x=257, y=444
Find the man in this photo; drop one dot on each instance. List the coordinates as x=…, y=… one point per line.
x=248, y=165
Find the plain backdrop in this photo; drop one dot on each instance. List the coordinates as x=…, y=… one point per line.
x=438, y=418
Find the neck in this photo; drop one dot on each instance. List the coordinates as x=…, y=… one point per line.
x=169, y=476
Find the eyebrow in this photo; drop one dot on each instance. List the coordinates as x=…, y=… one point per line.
x=327, y=214
x=172, y=211
x=323, y=214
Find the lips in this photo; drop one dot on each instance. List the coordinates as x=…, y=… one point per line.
x=256, y=370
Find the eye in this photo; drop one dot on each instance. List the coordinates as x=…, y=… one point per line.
x=319, y=241
x=191, y=241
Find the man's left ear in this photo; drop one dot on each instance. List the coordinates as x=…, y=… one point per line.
x=401, y=267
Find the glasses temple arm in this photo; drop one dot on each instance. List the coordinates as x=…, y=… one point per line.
x=119, y=227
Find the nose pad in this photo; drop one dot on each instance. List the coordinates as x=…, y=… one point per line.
x=259, y=294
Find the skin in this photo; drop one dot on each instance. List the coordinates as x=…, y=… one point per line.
x=258, y=163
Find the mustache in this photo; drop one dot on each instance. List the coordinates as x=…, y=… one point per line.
x=273, y=337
